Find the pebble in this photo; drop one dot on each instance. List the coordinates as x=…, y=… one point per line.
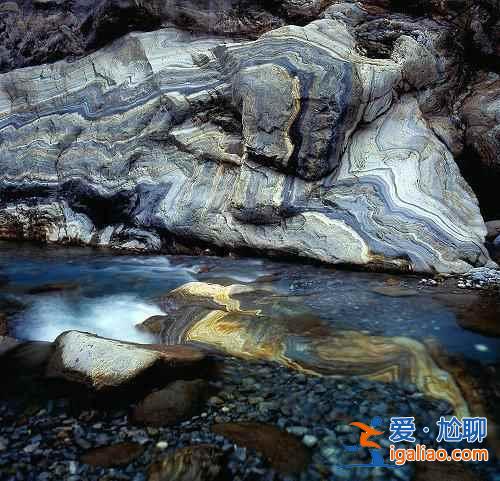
x=310, y=440
x=297, y=430
x=315, y=410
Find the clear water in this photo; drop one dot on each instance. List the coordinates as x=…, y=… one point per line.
x=315, y=318
x=109, y=294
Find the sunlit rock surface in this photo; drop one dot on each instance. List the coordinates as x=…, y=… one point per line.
x=275, y=330
x=104, y=363
x=294, y=144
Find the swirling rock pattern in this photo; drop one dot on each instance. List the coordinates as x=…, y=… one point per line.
x=293, y=143
x=245, y=322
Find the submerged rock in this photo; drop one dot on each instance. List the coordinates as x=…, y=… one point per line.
x=104, y=363
x=475, y=312
x=120, y=454
x=394, y=291
x=172, y=404
x=202, y=462
x=445, y=471
x=293, y=144
x=283, y=451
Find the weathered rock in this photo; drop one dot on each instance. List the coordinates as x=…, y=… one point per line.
x=293, y=143
x=484, y=277
x=172, y=404
x=493, y=227
x=284, y=451
x=203, y=462
x=35, y=32
x=481, y=114
x=479, y=111
x=104, y=363
x=153, y=324
x=120, y=454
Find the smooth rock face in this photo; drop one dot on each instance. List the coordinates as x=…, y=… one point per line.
x=103, y=363
x=293, y=144
x=172, y=404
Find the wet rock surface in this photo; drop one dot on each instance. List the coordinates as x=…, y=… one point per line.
x=172, y=404
x=113, y=455
x=106, y=364
x=46, y=439
x=275, y=445
x=202, y=462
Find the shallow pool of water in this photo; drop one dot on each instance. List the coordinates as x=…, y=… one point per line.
x=109, y=294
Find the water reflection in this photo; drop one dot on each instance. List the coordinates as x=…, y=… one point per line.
x=311, y=318
x=253, y=323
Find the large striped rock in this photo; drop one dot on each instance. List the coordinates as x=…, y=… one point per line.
x=293, y=143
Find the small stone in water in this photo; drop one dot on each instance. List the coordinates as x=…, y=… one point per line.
x=310, y=440
x=31, y=448
x=481, y=348
x=162, y=445
x=297, y=430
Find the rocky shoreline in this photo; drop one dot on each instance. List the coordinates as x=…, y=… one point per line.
x=53, y=439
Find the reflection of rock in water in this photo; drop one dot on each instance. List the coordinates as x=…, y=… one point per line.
x=254, y=324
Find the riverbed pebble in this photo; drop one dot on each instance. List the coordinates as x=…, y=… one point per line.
x=42, y=445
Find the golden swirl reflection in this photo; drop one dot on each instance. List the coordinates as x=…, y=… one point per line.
x=251, y=323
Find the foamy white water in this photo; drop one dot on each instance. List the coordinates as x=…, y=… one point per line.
x=113, y=316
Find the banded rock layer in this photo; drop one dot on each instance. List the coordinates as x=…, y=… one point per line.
x=294, y=143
